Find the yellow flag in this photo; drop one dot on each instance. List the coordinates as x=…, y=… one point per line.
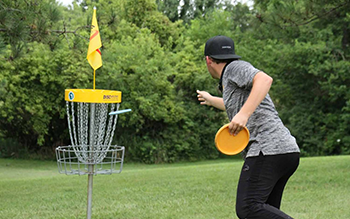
x=94, y=54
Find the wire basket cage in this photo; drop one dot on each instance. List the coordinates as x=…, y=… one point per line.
x=69, y=163
x=91, y=131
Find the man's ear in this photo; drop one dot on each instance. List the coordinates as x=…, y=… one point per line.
x=208, y=60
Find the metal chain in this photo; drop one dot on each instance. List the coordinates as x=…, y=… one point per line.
x=69, y=126
x=100, y=132
x=103, y=118
x=73, y=124
x=114, y=125
x=109, y=127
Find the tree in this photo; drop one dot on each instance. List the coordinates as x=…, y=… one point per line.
x=188, y=10
x=157, y=64
x=310, y=61
x=138, y=60
x=28, y=21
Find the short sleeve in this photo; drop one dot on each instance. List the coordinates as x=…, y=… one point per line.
x=241, y=73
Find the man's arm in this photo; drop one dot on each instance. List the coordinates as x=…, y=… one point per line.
x=261, y=86
x=206, y=99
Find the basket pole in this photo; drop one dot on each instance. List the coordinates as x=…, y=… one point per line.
x=89, y=196
x=91, y=161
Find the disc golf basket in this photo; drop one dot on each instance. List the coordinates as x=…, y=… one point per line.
x=92, y=117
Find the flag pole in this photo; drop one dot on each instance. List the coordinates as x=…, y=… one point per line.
x=94, y=54
x=94, y=79
x=94, y=69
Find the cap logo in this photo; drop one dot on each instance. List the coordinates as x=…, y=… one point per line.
x=226, y=47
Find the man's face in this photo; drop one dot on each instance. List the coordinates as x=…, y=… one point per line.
x=210, y=68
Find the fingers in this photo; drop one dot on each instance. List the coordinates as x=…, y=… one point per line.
x=235, y=128
x=201, y=98
x=238, y=123
x=237, y=131
x=204, y=97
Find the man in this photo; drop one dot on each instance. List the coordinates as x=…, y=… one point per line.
x=272, y=154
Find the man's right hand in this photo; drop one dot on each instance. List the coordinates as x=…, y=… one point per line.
x=204, y=97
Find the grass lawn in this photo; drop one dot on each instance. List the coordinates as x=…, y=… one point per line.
x=203, y=190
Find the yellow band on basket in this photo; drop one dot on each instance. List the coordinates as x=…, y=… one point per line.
x=93, y=96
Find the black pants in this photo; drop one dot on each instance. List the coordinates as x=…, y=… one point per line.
x=261, y=185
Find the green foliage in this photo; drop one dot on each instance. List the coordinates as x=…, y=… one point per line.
x=155, y=59
x=136, y=11
x=31, y=108
x=23, y=21
x=310, y=63
x=161, y=126
x=189, y=10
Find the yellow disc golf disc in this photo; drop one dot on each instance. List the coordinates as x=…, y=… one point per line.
x=229, y=144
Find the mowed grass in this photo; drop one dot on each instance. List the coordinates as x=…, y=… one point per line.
x=203, y=190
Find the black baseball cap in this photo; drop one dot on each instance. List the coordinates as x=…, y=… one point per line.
x=220, y=47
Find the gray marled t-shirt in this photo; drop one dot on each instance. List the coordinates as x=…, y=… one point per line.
x=267, y=132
